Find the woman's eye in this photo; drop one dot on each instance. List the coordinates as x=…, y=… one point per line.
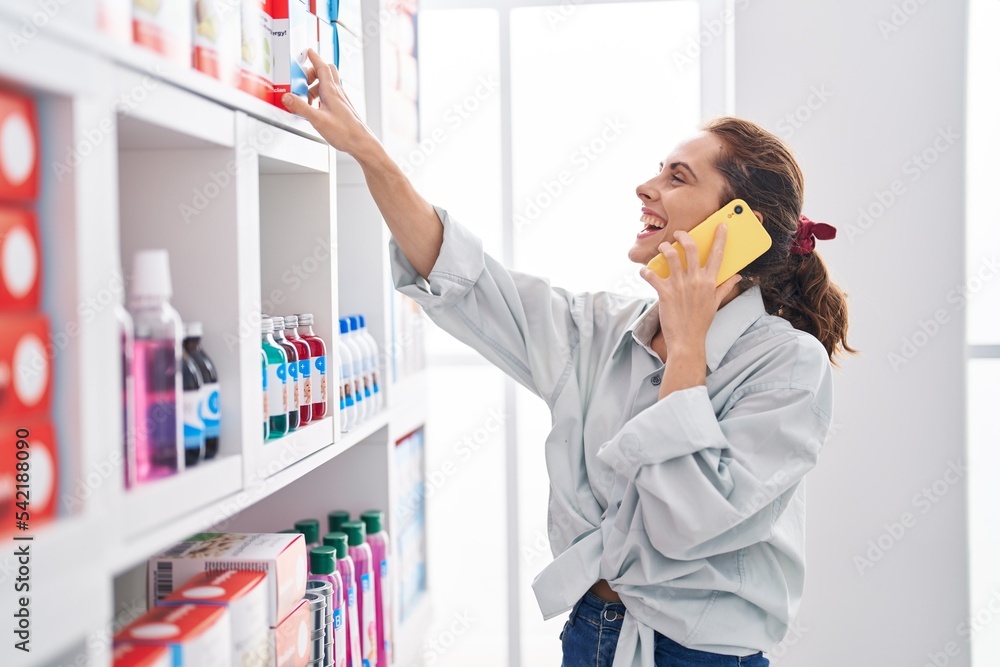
x=679, y=180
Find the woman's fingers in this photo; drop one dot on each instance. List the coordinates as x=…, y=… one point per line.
x=715, y=255
x=690, y=249
x=722, y=290
x=673, y=258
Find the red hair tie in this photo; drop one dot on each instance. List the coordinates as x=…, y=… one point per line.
x=808, y=232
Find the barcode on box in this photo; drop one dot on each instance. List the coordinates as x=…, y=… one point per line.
x=164, y=578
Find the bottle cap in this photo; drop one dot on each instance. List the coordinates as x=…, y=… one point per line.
x=361, y=321
x=338, y=541
x=336, y=518
x=305, y=319
x=151, y=274
x=277, y=324
x=344, y=325
x=309, y=528
x=353, y=319
x=265, y=325
x=291, y=321
x=322, y=560
x=373, y=521
x=192, y=330
x=355, y=532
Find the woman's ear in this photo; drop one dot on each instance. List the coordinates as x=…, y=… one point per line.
x=759, y=217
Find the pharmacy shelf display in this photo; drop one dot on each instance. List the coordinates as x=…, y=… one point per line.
x=257, y=215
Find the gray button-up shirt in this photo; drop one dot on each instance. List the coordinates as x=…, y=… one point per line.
x=692, y=507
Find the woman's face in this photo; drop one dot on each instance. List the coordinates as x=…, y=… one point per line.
x=686, y=189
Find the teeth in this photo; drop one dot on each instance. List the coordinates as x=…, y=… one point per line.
x=650, y=220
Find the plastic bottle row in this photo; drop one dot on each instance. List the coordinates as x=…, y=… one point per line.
x=222, y=599
x=293, y=359
x=293, y=370
x=170, y=388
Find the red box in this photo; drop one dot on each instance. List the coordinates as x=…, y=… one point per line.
x=20, y=260
x=42, y=462
x=131, y=655
x=256, y=54
x=289, y=648
x=25, y=366
x=19, y=148
x=196, y=635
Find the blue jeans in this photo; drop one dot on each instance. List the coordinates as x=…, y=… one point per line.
x=590, y=637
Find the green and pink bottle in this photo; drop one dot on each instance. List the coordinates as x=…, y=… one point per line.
x=361, y=553
x=352, y=630
x=378, y=541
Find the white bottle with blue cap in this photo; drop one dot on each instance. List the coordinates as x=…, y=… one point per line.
x=366, y=364
x=357, y=371
x=348, y=408
x=368, y=341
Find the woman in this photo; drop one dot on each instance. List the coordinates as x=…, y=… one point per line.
x=681, y=432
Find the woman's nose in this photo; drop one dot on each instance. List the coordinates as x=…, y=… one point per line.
x=644, y=191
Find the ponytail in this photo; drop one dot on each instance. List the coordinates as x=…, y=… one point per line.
x=760, y=169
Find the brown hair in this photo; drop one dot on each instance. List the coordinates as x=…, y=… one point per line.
x=760, y=169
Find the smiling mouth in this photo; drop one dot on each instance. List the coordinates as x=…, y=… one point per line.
x=651, y=222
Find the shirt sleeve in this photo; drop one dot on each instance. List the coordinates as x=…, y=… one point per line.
x=518, y=322
x=705, y=485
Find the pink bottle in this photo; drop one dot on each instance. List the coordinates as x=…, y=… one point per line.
x=350, y=627
x=362, y=555
x=323, y=567
x=378, y=540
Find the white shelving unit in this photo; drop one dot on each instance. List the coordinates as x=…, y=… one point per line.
x=258, y=214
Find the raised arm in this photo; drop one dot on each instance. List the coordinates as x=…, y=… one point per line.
x=411, y=219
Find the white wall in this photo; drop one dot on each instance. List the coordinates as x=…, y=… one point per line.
x=899, y=426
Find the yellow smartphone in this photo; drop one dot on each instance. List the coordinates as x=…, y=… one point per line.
x=747, y=240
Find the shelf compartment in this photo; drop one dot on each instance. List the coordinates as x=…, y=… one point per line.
x=282, y=152
x=155, y=504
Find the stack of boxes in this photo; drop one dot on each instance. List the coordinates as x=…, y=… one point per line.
x=400, y=56
x=350, y=56
x=226, y=599
x=28, y=461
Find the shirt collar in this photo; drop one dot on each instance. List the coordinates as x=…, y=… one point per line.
x=728, y=325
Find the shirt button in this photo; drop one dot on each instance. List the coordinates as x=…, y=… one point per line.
x=655, y=380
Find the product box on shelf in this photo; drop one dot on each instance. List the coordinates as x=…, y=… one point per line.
x=217, y=40
x=281, y=556
x=114, y=18
x=31, y=442
x=165, y=27
x=19, y=148
x=244, y=593
x=351, y=54
x=291, y=639
x=196, y=635
x=328, y=47
x=256, y=53
x=293, y=30
x=321, y=8
x=132, y=655
x=25, y=365
x=20, y=260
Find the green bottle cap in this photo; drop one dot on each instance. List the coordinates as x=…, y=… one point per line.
x=373, y=521
x=309, y=528
x=338, y=541
x=322, y=560
x=336, y=519
x=355, y=532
